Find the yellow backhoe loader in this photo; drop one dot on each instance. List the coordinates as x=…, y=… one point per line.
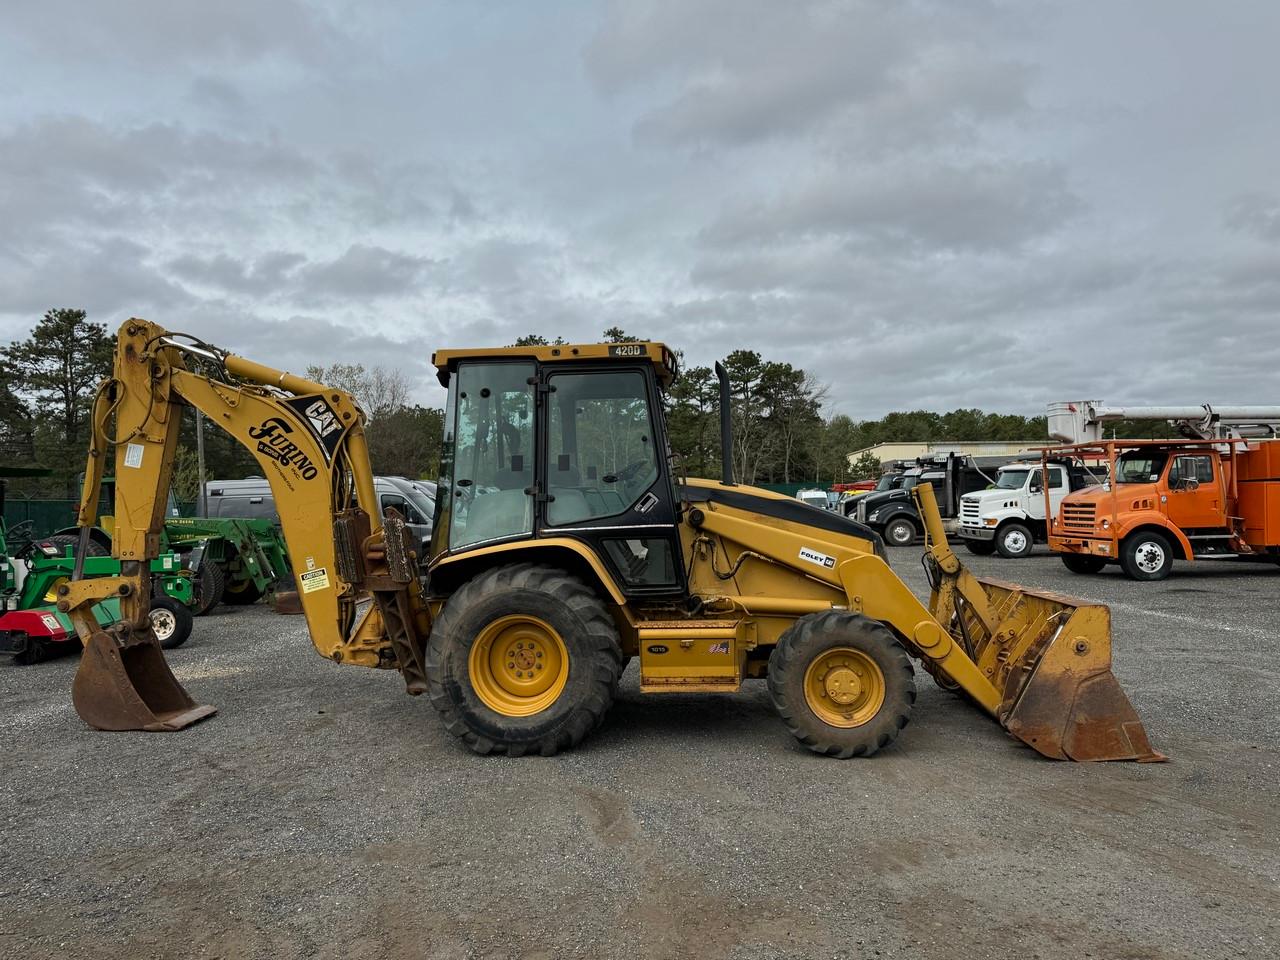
x=564, y=546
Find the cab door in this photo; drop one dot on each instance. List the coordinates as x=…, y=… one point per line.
x=1193, y=495
x=605, y=475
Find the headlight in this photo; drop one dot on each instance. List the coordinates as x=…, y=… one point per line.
x=1106, y=524
x=873, y=515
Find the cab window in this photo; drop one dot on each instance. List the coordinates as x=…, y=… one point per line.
x=1186, y=469
x=493, y=453
x=1141, y=467
x=600, y=450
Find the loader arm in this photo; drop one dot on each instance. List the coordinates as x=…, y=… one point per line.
x=310, y=443
x=1046, y=656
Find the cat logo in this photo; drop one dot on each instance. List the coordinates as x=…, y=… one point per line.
x=323, y=420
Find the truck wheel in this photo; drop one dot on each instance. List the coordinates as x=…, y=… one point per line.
x=1083, y=563
x=841, y=683
x=900, y=532
x=523, y=659
x=1014, y=541
x=1146, y=555
x=170, y=622
x=981, y=548
x=209, y=586
x=241, y=593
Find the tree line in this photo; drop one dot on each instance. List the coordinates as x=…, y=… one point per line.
x=48, y=381
x=783, y=432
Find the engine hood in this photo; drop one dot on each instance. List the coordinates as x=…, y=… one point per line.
x=1124, y=493
x=991, y=496
x=873, y=500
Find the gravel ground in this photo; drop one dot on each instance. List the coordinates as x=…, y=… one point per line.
x=322, y=813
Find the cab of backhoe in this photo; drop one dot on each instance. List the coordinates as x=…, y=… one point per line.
x=565, y=443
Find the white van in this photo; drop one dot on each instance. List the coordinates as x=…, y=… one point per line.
x=415, y=500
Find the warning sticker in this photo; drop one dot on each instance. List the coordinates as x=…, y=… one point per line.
x=51, y=621
x=313, y=580
x=813, y=556
x=133, y=455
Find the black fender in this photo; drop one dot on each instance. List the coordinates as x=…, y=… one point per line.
x=96, y=534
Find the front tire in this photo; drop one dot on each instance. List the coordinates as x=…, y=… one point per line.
x=1146, y=555
x=900, y=532
x=170, y=622
x=1014, y=541
x=1083, y=563
x=981, y=548
x=842, y=683
x=523, y=659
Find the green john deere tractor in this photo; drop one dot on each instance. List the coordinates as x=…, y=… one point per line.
x=232, y=560
x=32, y=568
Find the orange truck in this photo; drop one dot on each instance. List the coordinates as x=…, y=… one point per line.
x=1170, y=500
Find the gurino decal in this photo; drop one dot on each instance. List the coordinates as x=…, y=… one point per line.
x=273, y=441
x=322, y=419
x=813, y=556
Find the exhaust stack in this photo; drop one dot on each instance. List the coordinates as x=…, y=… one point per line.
x=726, y=427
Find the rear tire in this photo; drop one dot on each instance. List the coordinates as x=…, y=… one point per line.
x=1083, y=563
x=900, y=532
x=543, y=616
x=242, y=593
x=842, y=683
x=981, y=548
x=210, y=582
x=1014, y=541
x=170, y=621
x=92, y=547
x=1146, y=555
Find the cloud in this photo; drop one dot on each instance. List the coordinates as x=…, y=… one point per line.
x=157, y=32
x=924, y=205
x=1256, y=214
x=738, y=71
x=363, y=272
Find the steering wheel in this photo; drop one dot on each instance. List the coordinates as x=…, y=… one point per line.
x=21, y=533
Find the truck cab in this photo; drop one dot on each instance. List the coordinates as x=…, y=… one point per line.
x=1010, y=516
x=1169, y=502
x=892, y=513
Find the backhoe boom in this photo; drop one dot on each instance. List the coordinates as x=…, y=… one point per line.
x=310, y=444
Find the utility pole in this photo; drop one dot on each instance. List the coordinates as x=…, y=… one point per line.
x=202, y=502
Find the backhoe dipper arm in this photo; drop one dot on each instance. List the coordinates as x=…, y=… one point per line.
x=310, y=443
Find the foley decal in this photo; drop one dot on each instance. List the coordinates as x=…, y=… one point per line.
x=814, y=557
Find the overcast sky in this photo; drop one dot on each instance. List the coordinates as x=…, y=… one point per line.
x=928, y=205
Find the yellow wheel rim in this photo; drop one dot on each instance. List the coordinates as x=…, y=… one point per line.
x=51, y=595
x=844, y=687
x=519, y=665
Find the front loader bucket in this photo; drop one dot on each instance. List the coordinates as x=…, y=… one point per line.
x=1050, y=657
x=130, y=687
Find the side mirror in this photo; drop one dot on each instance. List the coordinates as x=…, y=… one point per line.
x=1037, y=486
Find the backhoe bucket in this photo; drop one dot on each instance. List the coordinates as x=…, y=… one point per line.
x=1050, y=657
x=129, y=686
